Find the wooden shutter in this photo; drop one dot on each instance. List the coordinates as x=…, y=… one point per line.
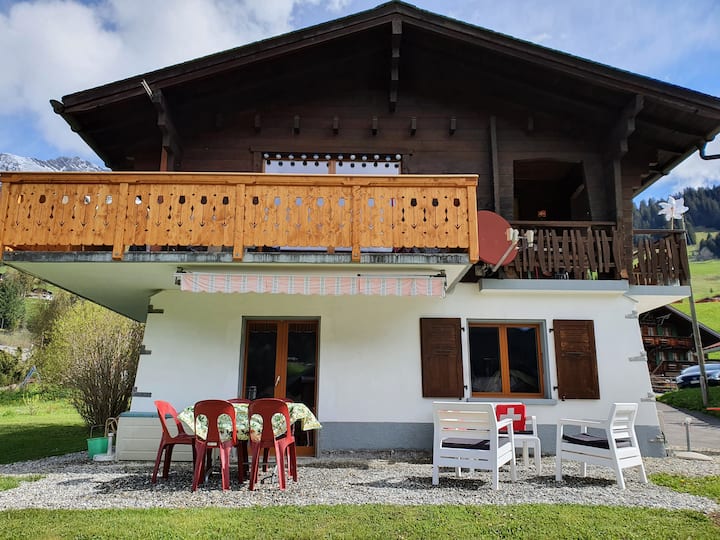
x=576, y=359
x=441, y=355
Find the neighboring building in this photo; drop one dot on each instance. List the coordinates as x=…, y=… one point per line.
x=667, y=335
x=264, y=259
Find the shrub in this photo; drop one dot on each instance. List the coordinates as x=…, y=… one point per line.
x=93, y=352
x=12, y=367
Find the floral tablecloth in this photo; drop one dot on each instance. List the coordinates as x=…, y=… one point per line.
x=298, y=412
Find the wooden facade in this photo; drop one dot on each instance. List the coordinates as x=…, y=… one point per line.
x=552, y=143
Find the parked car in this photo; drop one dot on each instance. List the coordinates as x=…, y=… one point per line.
x=690, y=376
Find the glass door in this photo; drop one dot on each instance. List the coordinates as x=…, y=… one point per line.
x=281, y=362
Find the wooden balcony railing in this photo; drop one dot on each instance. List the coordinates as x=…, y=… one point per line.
x=568, y=250
x=112, y=211
x=595, y=250
x=660, y=257
x=668, y=342
x=239, y=211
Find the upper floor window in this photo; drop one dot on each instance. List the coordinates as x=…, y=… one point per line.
x=316, y=163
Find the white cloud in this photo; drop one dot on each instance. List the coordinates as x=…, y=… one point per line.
x=49, y=48
x=642, y=36
x=694, y=172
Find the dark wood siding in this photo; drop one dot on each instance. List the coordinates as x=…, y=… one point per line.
x=576, y=359
x=441, y=354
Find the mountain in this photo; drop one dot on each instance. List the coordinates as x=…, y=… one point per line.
x=10, y=162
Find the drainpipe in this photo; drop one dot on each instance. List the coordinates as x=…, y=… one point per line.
x=701, y=150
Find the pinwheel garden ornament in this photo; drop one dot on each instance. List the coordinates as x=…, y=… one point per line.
x=673, y=209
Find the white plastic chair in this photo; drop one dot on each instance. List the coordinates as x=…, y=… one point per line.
x=617, y=448
x=467, y=435
x=525, y=428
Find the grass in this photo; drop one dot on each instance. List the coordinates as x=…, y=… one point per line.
x=11, y=482
x=37, y=424
x=704, y=486
x=362, y=521
x=690, y=399
x=705, y=277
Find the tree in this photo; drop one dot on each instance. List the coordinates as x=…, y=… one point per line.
x=93, y=352
x=41, y=324
x=12, y=301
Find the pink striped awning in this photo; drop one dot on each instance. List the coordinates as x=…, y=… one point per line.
x=320, y=285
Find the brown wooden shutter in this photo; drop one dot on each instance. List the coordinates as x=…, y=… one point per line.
x=441, y=354
x=576, y=360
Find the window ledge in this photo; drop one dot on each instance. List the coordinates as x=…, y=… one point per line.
x=526, y=401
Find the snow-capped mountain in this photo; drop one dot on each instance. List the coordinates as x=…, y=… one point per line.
x=10, y=162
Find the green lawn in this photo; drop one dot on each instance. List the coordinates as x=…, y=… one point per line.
x=363, y=521
x=691, y=399
x=35, y=425
x=705, y=278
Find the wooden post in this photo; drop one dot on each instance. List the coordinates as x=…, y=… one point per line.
x=473, y=246
x=355, y=224
x=238, y=236
x=494, y=165
x=120, y=222
x=4, y=198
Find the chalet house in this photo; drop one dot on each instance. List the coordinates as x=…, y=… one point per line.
x=368, y=215
x=667, y=335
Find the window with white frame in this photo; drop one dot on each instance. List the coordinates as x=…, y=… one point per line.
x=336, y=163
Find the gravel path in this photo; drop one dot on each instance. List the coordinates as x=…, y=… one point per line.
x=74, y=482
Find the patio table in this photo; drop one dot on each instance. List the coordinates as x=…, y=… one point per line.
x=298, y=412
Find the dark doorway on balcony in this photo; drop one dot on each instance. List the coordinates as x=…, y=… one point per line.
x=550, y=190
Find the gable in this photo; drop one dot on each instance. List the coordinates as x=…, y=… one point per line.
x=393, y=58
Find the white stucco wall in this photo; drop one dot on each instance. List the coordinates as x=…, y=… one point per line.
x=369, y=349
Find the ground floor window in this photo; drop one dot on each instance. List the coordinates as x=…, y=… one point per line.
x=506, y=359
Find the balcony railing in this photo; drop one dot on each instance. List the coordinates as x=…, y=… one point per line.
x=569, y=250
x=236, y=212
x=595, y=250
x=668, y=342
x=660, y=257
x=113, y=211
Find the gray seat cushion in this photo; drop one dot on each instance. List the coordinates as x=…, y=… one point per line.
x=586, y=439
x=471, y=444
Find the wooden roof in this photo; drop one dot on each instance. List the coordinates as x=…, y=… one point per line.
x=410, y=47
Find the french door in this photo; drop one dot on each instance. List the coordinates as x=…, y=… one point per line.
x=281, y=362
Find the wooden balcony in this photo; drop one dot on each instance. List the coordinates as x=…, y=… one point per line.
x=237, y=212
x=660, y=257
x=668, y=342
x=595, y=250
x=241, y=212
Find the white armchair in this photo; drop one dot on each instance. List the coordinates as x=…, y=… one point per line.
x=616, y=448
x=467, y=435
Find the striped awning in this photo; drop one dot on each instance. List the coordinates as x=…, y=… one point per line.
x=313, y=284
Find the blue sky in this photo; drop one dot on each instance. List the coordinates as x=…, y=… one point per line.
x=49, y=48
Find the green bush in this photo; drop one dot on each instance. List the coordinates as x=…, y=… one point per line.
x=93, y=353
x=12, y=367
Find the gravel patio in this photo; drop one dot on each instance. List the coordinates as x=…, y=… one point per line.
x=75, y=482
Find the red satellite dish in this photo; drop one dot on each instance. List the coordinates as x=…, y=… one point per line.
x=493, y=242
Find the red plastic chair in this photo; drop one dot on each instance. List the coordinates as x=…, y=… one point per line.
x=212, y=409
x=168, y=441
x=284, y=445
x=242, y=445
